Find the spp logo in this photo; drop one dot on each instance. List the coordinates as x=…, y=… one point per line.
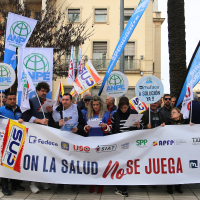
x=13, y=146
x=37, y=66
x=106, y=148
x=33, y=140
x=115, y=83
x=65, y=146
x=193, y=163
x=141, y=143
x=19, y=31
x=82, y=149
x=164, y=143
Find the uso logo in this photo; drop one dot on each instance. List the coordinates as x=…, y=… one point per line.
x=12, y=146
x=82, y=149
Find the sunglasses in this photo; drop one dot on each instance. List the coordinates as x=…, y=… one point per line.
x=167, y=99
x=87, y=100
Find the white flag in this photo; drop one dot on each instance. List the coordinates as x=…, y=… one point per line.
x=80, y=64
x=185, y=110
x=71, y=74
x=27, y=87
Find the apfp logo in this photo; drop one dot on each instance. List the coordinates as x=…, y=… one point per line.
x=19, y=31
x=38, y=66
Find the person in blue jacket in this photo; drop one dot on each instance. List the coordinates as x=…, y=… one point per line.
x=12, y=111
x=97, y=111
x=86, y=101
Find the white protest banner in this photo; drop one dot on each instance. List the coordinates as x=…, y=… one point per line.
x=39, y=64
x=116, y=84
x=7, y=76
x=149, y=89
x=164, y=155
x=18, y=32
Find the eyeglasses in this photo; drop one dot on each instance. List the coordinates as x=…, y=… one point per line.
x=167, y=99
x=86, y=101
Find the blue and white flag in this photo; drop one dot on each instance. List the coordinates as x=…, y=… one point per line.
x=39, y=65
x=193, y=71
x=130, y=27
x=18, y=32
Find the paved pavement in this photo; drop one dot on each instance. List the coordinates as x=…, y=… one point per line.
x=191, y=192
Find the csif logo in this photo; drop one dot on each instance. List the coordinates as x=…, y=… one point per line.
x=86, y=77
x=33, y=139
x=19, y=31
x=38, y=67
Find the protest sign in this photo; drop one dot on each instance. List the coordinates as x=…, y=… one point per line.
x=116, y=85
x=7, y=76
x=149, y=89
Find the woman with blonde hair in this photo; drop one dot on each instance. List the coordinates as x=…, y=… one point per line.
x=97, y=111
x=176, y=119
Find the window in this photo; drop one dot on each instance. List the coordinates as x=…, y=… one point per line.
x=99, y=54
x=100, y=15
x=74, y=15
x=38, y=16
x=129, y=55
x=128, y=13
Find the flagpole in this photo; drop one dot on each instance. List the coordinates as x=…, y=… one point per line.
x=1, y=98
x=149, y=114
x=40, y=105
x=191, y=112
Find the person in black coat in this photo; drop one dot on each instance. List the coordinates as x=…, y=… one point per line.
x=176, y=119
x=118, y=120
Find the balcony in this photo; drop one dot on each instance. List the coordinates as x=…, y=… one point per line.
x=101, y=65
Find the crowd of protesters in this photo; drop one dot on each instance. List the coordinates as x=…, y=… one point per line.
x=112, y=120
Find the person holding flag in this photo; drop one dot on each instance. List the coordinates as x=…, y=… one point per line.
x=71, y=72
x=32, y=115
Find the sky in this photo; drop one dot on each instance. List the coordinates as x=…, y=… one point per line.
x=192, y=29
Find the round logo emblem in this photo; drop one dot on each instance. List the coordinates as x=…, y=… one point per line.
x=7, y=76
x=116, y=85
x=20, y=28
x=149, y=89
x=36, y=62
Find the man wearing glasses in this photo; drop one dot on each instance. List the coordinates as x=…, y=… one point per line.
x=86, y=101
x=166, y=109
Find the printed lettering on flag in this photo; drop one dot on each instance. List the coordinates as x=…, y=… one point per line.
x=137, y=105
x=13, y=146
x=88, y=79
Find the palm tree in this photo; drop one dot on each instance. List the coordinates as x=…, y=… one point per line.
x=177, y=45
